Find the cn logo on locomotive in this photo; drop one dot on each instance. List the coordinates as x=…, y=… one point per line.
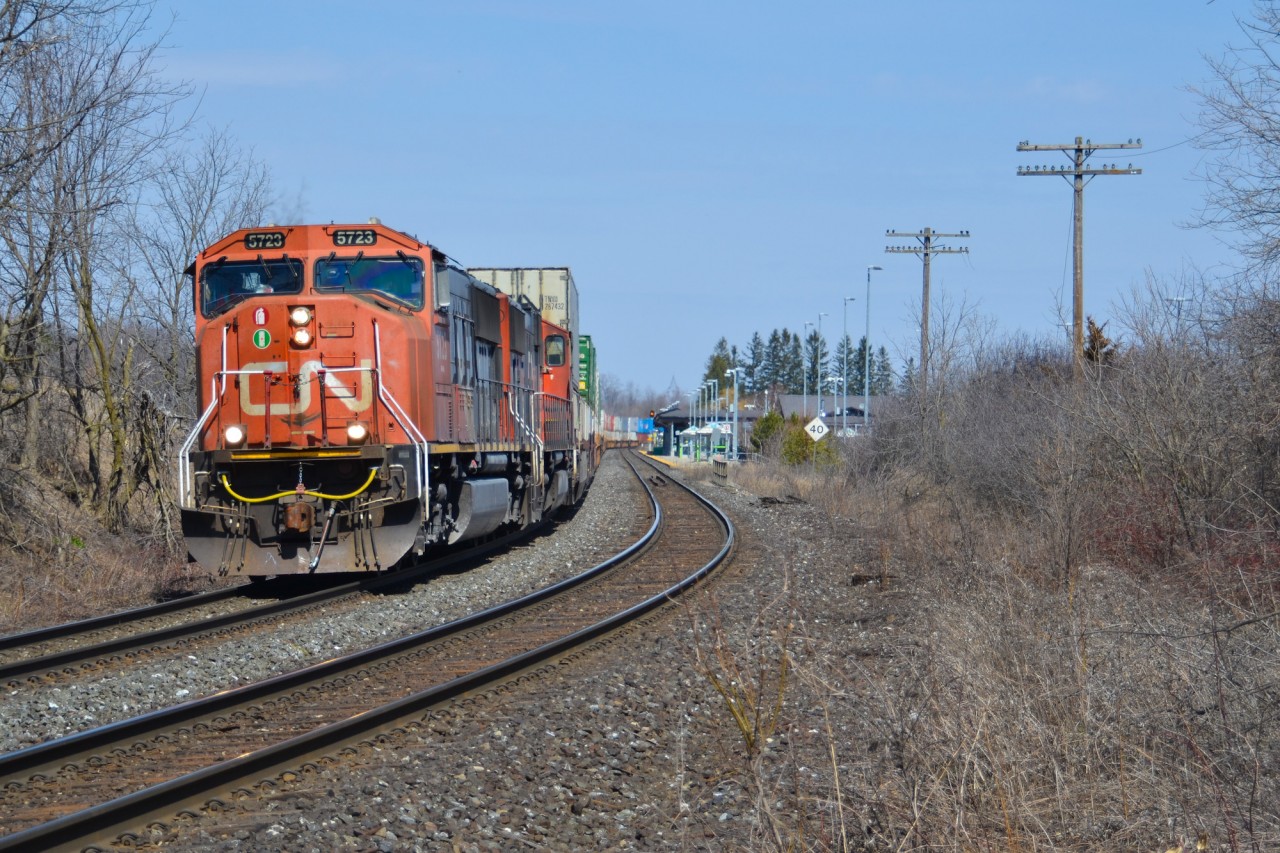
x=338, y=390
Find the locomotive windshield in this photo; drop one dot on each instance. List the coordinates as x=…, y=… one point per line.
x=224, y=283
x=400, y=277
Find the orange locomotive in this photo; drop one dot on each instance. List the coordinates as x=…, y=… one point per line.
x=362, y=400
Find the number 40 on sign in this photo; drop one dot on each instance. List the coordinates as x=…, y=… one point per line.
x=816, y=429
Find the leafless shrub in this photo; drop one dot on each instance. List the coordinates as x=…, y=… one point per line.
x=1095, y=571
x=750, y=671
x=765, y=477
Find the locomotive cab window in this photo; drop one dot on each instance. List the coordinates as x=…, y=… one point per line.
x=224, y=283
x=555, y=351
x=399, y=277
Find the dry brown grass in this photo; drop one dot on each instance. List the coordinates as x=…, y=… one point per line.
x=86, y=581
x=1018, y=708
x=828, y=489
x=59, y=565
x=1106, y=713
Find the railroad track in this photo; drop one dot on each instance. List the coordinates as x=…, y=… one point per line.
x=65, y=652
x=44, y=641
x=94, y=786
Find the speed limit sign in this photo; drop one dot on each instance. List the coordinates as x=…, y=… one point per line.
x=816, y=429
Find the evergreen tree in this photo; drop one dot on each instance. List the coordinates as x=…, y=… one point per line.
x=842, y=366
x=774, y=359
x=753, y=362
x=815, y=361
x=768, y=427
x=721, y=360
x=907, y=383
x=1098, y=348
x=858, y=368
x=881, y=373
x=792, y=378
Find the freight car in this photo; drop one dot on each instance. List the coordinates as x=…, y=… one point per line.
x=363, y=400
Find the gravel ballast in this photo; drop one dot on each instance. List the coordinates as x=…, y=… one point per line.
x=628, y=746
x=598, y=529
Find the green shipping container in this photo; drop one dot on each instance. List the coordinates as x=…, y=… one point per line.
x=587, y=378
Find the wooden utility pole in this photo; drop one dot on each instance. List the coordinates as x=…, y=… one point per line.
x=1075, y=174
x=926, y=249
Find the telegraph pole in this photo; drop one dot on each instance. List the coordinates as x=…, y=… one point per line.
x=1075, y=175
x=926, y=249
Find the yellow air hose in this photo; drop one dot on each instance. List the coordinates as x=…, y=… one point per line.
x=373, y=473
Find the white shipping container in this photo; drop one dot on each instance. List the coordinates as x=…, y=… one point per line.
x=550, y=288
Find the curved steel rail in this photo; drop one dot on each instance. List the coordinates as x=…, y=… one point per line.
x=61, y=661
x=108, y=820
x=122, y=617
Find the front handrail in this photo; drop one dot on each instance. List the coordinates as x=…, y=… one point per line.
x=184, y=475
x=557, y=425
x=401, y=417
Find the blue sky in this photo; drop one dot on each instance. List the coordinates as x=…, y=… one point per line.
x=714, y=169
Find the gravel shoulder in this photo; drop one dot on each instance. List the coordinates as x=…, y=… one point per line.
x=630, y=746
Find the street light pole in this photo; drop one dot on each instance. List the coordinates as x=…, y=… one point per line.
x=733, y=445
x=844, y=369
x=706, y=401
x=866, y=360
x=693, y=411
x=693, y=439
x=817, y=359
x=715, y=391
x=804, y=368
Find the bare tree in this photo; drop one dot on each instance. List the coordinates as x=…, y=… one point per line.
x=1240, y=119
x=91, y=116
x=37, y=111
x=32, y=127
x=193, y=199
x=108, y=159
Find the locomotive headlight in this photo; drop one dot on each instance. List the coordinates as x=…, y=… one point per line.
x=234, y=435
x=300, y=318
x=357, y=433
